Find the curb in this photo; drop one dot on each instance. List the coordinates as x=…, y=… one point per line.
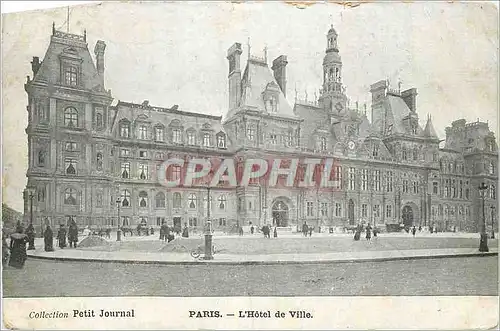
x=289, y=262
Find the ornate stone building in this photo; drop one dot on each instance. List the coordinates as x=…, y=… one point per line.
x=92, y=158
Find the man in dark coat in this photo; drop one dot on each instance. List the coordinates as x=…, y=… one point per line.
x=73, y=234
x=61, y=236
x=163, y=231
x=305, y=229
x=185, y=231
x=18, y=241
x=30, y=232
x=413, y=231
x=48, y=238
x=368, y=232
x=275, y=234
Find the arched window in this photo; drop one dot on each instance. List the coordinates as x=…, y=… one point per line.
x=206, y=139
x=143, y=131
x=192, y=201
x=143, y=199
x=41, y=158
x=41, y=194
x=176, y=136
x=71, y=76
x=191, y=137
x=125, y=129
x=70, y=165
x=176, y=201
x=70, y=196
x=222, y=202
x=125, y=166
x=125, y=196
x=71, y=117
x=221, y=140
x=98, y=120
x=159, y=133
x=99, y=161
x=160, y=200
x=143, y=171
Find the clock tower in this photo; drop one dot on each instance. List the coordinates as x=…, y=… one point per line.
x=332, y=96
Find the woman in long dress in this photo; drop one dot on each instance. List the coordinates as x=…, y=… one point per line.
x=61, y=236
x=368, y=232
x=18, y=241
x=48, y=238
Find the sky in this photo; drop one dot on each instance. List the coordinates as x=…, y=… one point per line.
x=175, y=53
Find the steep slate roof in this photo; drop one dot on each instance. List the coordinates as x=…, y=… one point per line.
x=429, y=129
x=397, y=112
x=75, y=47
x=256, y=78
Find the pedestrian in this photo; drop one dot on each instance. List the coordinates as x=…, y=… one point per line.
x=375, y=232
x=30, y=232
x=163, y=230
x=18, y=241
x=357, y=232
x=305, y=229
x=252, y=229
x=185, y=231
x=275, y=232
x=61, y=236
x=5, y=248
x=240, y=230
x=152, y=230
x=368, y=232
x=48, y=239
x=420, y=228
x=73, y=234
x=311, y=228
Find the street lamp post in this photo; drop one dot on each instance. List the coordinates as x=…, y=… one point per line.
x=118, y=231
x=208, y=231
x=492, y=222
x=483, y=241
x=31, y=197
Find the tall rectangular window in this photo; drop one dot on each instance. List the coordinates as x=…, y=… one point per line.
x=310, y=208
x=143, y=171
x=159, y=134
x=364, y=179
x=389, y=180
x=143, y=131
x=435, y=187
x=376, y=211
x=176, y=172
x=376, y=180
x=338, y=209
x=338, y=177
x=405, y=185
x=415, y=187
x=206, y=140
x=125, y=169
x=71, y=75
x=251, y=133
x=176, y=136
x=324, y=209
x=352, y=178
x=388, y=211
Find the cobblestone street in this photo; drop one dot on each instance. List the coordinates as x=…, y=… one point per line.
x=448, y=276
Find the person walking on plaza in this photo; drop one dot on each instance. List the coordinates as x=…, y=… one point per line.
x=185, y=231
x=252, y=230
x=311, y=228
x=420, y=228
x=18, y=241
x=275, y=234
x=48, y=239
x=368, y=232
x=61, y=236
x=413, y=231
x=73, y=234
x=240, y=230
x=30, y=232
x=163, y=230
x=305, y=229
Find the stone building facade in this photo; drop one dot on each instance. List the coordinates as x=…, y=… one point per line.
x=96, y=160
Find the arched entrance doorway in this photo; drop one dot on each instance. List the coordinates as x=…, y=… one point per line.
x=280, y=214
x=350, y=212
x=407, y=216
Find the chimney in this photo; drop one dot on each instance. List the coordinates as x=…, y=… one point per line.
x=410, y=98
x=99, y=49
x=378, y=91
x=35, y=65
x=279, y=70
x=233, y=56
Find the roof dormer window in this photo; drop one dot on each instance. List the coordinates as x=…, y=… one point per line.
x=71, y=75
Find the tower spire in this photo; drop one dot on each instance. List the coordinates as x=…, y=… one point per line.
x=67, y=21
x=248, y=45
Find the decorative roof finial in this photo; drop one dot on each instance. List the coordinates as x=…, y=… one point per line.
x=357, y=105
x=265, y=53
x=296, y=92
x=305, y=92
x=399, y=86
x=85, y=35
x=53, y=28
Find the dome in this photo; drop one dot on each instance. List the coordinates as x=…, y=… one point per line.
x=332, y=30
x=332, y=57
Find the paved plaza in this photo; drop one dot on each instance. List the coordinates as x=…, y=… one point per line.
x=455, y=276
